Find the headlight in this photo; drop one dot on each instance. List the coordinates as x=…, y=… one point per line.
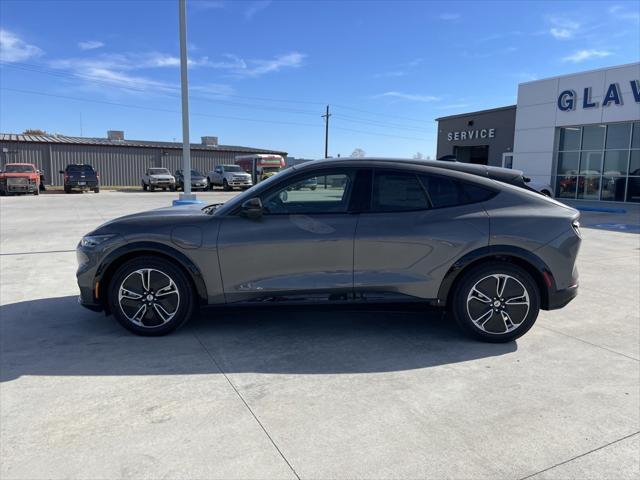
x=94, y=240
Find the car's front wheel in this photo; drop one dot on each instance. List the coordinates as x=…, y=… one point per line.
x=496, y=302
x=151, y=296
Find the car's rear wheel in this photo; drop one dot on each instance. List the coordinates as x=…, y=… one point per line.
x=96, y=190
x=151, y=296
x=496, y=302
x=225, y=185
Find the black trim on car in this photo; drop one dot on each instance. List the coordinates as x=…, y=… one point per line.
x=550, y=296
x=152, y=247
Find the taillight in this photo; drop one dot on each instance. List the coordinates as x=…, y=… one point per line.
x=98, y=175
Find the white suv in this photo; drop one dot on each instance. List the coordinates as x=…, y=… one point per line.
x=158, y=178
x=229, y=177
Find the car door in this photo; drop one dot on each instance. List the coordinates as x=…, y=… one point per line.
x=409, y=237
x=301, y=247
x=217, y=176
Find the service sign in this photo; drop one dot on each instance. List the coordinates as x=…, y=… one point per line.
x=472, y=134
x=568, y=99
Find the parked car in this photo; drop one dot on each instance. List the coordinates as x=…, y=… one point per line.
x=310, y=183
x=229, y=177
x=198, y=180
x=541, y=187
x=19, y=178
x=157, y=177
x=492, y=253
x=80, y=177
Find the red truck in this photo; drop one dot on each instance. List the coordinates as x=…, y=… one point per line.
x=19, y=178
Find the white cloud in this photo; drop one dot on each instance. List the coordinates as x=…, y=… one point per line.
x=14, y=49
x=563, y=28
x=449, y=17
x=586, y=54
x=90, y=45
x=561, y=33
x=160, y=60
x=622, y=13
x=255, y=67
x=409, y=96
x=256, y=7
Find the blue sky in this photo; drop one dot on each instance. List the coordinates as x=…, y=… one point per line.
x=262, y=71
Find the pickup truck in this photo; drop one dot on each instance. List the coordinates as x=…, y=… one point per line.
x=158, y=177
x=228, y=177
x=19, y=178
x=80, y=177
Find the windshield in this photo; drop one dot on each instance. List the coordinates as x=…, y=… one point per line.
x=158, y=171
x=232, y=168
x=19, y=169
x=196, y=173
x=270, y=169
x=79, y=168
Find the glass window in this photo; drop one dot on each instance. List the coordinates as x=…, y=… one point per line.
x=589, y=187
x=569, y=138
x=635, y=142
x=615, y=162
x=593, y=137
x=634, y=163
x=591, y=163
x=568, y=163
x=474, y=193
x=613, y=188
x=325, y=194
x=395, y=192
x=443, y=191
x=633, y=189
x=566, y=185
x=618, y=136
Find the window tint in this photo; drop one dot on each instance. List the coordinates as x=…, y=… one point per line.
x=312, y=194
x=396, y=192
x=79, y=168
x=475, y=193
x=443, y=191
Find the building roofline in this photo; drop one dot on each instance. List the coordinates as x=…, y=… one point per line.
x=478, y=112
x=614, y=67
x=105, y=142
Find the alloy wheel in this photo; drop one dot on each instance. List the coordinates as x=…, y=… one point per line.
x=148, y=297
x=498, y=304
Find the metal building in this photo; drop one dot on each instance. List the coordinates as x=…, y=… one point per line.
x=119, y=161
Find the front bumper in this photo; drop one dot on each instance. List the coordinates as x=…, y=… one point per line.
x=28, y=188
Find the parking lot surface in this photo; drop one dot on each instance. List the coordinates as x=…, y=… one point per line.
x=306, y=392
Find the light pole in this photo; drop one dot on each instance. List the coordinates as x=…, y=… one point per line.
x=186, y=197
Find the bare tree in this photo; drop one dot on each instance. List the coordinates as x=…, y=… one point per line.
x=34, y=131
x=358, y=153
x=418, y=156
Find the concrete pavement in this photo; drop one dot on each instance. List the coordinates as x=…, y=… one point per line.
x=308, y=393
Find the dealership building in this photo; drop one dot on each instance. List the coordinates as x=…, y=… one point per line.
x=118, y=160
x=578, y=133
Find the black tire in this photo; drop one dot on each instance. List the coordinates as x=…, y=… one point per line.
x=36, y=191
x=96, y=190
x=173, y=189
x=144, y=187
x=152, y=188
x=546, y=193
x=313, y=188
x=465, y=305
x=225, y=185
x=67, y=190
x=151, y=322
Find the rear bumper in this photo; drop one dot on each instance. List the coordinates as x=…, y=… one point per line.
x=560, y=298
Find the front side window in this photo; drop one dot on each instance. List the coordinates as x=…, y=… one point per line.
x=397, y=192
x=328, y=193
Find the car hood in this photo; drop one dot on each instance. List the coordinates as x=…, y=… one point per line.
x=198, y=179
x=161, y=177
x=166, y=214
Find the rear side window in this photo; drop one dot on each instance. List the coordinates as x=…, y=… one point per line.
x=446, y=192
x=397, y=192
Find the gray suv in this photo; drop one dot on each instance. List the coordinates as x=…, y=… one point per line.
x=469, y=238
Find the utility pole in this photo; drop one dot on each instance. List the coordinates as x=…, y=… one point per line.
x=326, y=133
x=186, y=197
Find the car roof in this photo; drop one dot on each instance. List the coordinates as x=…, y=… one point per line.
x=496, y=173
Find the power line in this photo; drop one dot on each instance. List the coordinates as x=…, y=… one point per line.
x=226, y=117
x=162, y=91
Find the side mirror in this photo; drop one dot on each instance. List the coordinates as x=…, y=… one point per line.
x=252, y=208
x=61, y=172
